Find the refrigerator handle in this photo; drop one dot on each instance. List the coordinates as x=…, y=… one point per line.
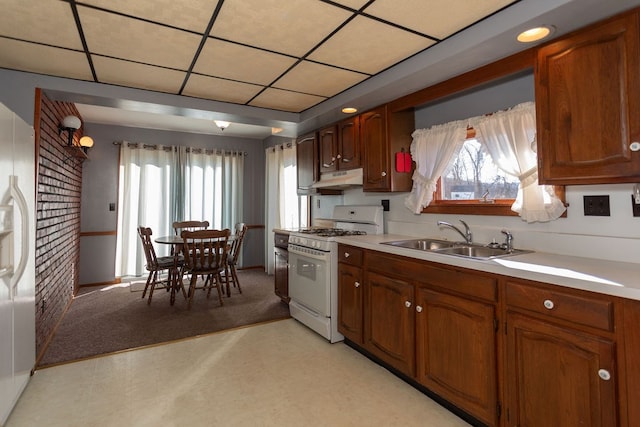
x=20, y=201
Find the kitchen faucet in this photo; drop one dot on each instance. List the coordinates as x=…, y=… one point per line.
x=467, y=231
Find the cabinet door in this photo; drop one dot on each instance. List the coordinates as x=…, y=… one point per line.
x=281, y=274
x=587, y=105
x=350, y=302
x=328, y=145
x=557, y=376
x=307, y=162
x=389, y=328
x=456, y=351
x=373, y=134
x=349, y=148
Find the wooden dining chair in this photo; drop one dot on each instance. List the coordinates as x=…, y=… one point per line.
x=156, y=265
x=230, y=272
x=205, y=253
x=180, y=226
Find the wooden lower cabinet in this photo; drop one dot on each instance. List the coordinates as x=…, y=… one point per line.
x=350, y=309
x=557, y=376
x=456, y=351
x=507, y=352
x=389, y=326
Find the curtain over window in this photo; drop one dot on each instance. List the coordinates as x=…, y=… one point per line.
x=433, y=150
x=509, y=137
x=283, y=206
x=159, y=185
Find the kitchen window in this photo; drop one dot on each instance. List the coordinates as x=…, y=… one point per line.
x=454, y=174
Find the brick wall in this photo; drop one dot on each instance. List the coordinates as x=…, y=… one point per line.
x=58, y=219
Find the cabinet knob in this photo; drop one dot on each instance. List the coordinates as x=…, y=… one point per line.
x=548, y=304
x=604, y=374
x=634, y=146
x=338, y=156
x=407, y=304
x=384, y=173
x=346, y=255
x=356, y=284
x=418, y=309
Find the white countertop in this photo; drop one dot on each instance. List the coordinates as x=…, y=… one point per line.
x=607, y=277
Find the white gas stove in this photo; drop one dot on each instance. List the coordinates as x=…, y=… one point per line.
x=313, y=266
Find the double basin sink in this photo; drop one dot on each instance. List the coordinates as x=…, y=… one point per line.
x=462, y=249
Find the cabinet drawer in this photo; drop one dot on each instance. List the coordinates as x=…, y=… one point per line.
x=581, y=309
x=350, y=255
x=281, y=240
x=471, y=284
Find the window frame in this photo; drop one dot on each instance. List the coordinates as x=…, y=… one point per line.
x=497, y=207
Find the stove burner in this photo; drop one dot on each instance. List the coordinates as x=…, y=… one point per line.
x=331, y=232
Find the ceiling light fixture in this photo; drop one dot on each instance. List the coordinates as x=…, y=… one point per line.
x=535, y=34
x=222, y=124
x=69, y=124
x=349, y=110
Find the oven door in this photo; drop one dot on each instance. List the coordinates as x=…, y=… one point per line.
x=309, y=279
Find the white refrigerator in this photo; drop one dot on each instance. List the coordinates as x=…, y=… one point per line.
x=17, y=258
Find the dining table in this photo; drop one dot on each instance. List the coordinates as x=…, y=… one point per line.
x=177, y=243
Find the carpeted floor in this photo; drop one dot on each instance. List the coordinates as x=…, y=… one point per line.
x=112, y=318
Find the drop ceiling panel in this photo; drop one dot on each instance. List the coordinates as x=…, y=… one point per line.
x=131, y=74
x=41, y=21
x=360, y=45
x=284, y=100
x=224, y=90
x=193, y=15
x=137, y=40
x=436, y=18
x=318, y=79
x=238, y=62
x=25, y=56
x=354, y=4
x=285, y=26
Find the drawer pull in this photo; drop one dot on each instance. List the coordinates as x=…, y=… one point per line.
x=356, y=284
x=604, y=374
x=548, y=304
x=418, y=309
x=407, y=304
x=346, y=255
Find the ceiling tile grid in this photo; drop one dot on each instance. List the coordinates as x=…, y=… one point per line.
x=277, y=54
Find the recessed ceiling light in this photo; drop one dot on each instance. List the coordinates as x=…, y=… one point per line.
x=349, y=110
x=535, y=34
x=275, y=131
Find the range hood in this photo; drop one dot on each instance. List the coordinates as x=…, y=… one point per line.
x=340, y=179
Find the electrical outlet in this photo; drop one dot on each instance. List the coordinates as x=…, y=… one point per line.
x=635, y=206
x=112, y=207
x=596, y=206
x=385, y=205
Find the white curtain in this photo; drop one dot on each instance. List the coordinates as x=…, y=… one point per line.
x=433, y=150
x=509, y=137
x=159, y=185
x=281, y=202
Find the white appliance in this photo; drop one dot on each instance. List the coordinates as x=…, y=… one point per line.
x=313, y=267
x=17, y=258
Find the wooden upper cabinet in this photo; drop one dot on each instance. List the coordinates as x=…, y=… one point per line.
x=587, y=104
x=373, y=131
x=340, y=147
x=382, y=134
x=349, y=147
x=307, y=162
x=328, y=146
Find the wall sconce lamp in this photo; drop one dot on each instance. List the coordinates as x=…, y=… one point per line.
x=69, y=124
x=86, y=142
x=222, y=124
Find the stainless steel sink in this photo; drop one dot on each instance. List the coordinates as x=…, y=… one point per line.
x=480, y=252
x=422, y=244
x=461, y=249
